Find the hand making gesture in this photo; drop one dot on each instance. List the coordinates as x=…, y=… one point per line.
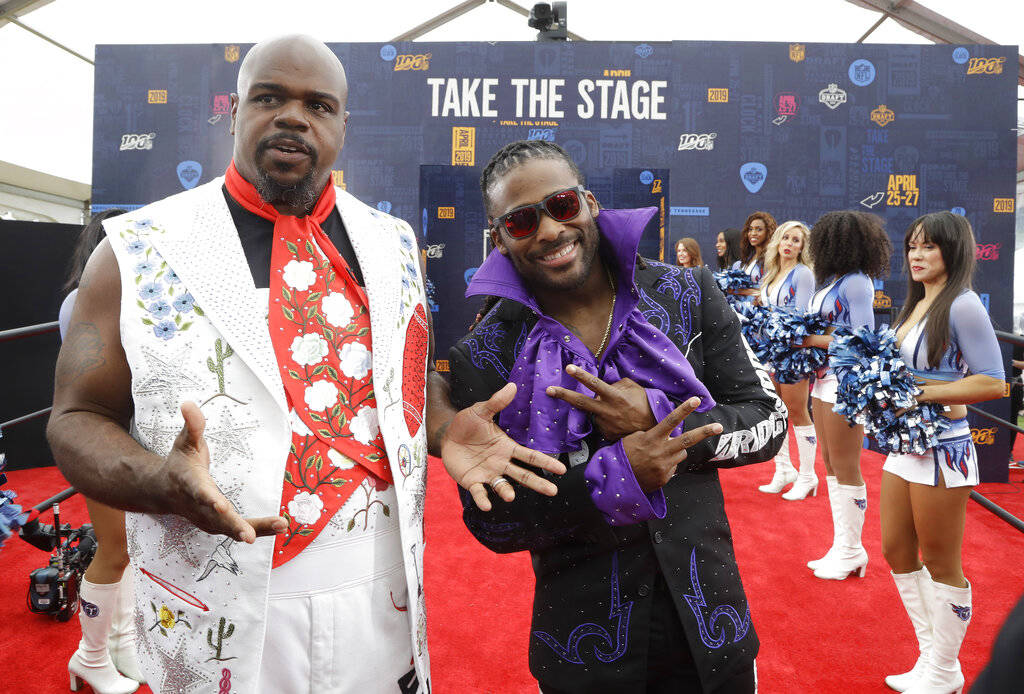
x=189, y=490
x=617, y=409
x=622, y=411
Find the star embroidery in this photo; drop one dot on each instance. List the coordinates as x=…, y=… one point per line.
x=178, y=675
x=140, y=631
x=132, y=540
x=175, y=536
x=158, y=437
x=227, y=438
x=233, y=493
x=166, y=376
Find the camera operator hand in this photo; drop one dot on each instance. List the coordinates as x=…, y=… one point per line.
x=189, y=490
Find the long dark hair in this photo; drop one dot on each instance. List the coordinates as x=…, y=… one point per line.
x=90, y=237
x=848, y=241
x=952, y=234
x=732, y=248
x=748, y=250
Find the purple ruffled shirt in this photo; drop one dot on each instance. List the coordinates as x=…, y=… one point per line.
x=636, y=349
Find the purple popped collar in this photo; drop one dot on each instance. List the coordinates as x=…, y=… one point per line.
x=636, y=349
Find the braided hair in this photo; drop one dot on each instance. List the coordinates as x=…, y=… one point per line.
x=515, y=153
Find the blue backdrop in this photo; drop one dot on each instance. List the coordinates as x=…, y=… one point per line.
x=706, y=131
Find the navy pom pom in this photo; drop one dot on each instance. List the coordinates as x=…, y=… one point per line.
x=734, y=279
x=875, y=384
x=784, y=334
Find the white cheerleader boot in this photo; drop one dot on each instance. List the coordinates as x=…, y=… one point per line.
x=950, y=609
x=807, y=481
x=91, y=662
x=850, y=556
x=121, y=642
x=785, y=473
x=833, y=502
x=913, y=588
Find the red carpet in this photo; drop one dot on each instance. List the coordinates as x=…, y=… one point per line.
x=821, y=636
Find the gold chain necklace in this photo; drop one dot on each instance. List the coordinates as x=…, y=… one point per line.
x=611, y=315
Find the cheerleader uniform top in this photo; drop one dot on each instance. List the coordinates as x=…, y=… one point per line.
x=847, y=302
x=973, y=348
x=754, y=268
x=793, y=292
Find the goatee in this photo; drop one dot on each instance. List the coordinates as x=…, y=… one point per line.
x=303, y=195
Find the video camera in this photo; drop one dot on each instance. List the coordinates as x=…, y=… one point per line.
x=53, y=589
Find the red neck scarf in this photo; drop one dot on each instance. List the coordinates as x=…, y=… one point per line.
x=320, y=327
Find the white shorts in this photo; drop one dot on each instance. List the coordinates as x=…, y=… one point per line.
x=825, y=388
x=955, y=457
x=337, y=617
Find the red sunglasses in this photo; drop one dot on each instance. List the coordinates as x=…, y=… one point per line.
x=524, y=221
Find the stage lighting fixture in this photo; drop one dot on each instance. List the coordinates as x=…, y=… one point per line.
x=550, y=21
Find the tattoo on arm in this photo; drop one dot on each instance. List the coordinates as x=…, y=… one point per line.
x=82, y=352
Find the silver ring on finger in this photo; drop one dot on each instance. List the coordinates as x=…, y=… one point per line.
x=498, y=481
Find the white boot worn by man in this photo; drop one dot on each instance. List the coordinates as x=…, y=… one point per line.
x=122, y=631
x=806, y=481
x=833, y=502
x=850, y=556
x=951, y=613
x=91, y=662
x=785, y=473
x=913, y=588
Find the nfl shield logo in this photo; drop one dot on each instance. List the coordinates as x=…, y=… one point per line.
x=753, y=175
x=796, y=52
x=231, y=54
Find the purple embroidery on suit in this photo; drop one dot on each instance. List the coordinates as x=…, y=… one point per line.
x=681, y=285
x=711, y=634
x=613, y=650
x=484, y=347
x=488, y=530
x=962, y=611
x=654, y=313
x=862, y=504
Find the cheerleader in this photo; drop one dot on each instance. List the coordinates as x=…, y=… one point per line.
x=848, y=249
x=947, y=340
x=727, y=248
x=757, y=230
x=787, y=284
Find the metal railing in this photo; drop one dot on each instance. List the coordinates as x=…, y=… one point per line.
x=983, y=501
x=17, y=334
x=29, y=331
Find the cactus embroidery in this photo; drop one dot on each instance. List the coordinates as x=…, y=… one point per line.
x=223, y=633
x=222, y=350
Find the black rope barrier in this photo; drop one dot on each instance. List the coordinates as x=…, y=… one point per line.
x=29, y=331
x=998, y=511
x=25, y=418
x=986, y=503
x=1012, y=338
x=997, y=420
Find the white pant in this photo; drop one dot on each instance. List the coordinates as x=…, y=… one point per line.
x=337, y=619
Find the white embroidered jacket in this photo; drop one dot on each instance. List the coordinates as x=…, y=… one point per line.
x=192, y=326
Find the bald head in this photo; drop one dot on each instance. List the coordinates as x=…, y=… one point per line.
x=289, y=119
x=291, y=50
